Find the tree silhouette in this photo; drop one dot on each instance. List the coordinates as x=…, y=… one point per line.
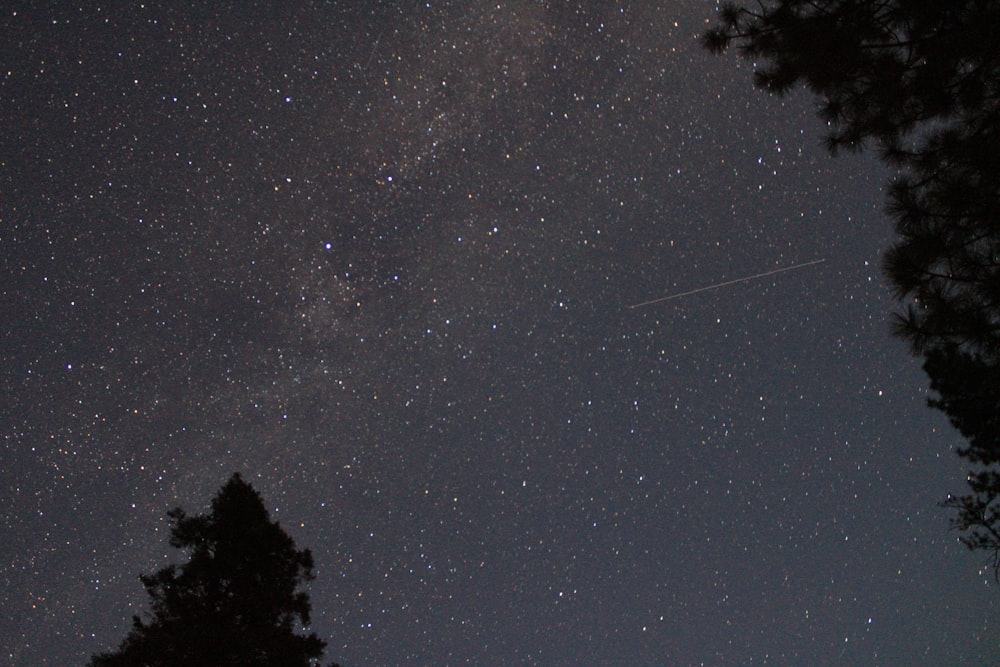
x=919, y=79
x=235, y=602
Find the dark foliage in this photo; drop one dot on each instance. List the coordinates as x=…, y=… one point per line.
x=235, y=602
x=920, y=81
x=968, y=388
x=882, y=69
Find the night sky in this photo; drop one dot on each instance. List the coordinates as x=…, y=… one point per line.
x=379, y=258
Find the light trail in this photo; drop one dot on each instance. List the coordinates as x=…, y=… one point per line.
x=727, y=283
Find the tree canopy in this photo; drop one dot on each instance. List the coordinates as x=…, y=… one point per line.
x=919, y=80
x=235, y=602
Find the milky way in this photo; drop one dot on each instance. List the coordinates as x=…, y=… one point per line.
x=379, y=261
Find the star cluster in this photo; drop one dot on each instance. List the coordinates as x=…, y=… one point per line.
x=378, y=257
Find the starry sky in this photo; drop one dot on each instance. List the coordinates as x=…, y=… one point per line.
x=379, y=258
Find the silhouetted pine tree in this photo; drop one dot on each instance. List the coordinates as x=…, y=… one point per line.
x=968, y=388
x=919, y=79
x=235, y=602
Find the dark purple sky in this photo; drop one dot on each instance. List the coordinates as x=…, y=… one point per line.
x=380, y=261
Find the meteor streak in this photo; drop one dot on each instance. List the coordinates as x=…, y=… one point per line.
x=728, y=282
